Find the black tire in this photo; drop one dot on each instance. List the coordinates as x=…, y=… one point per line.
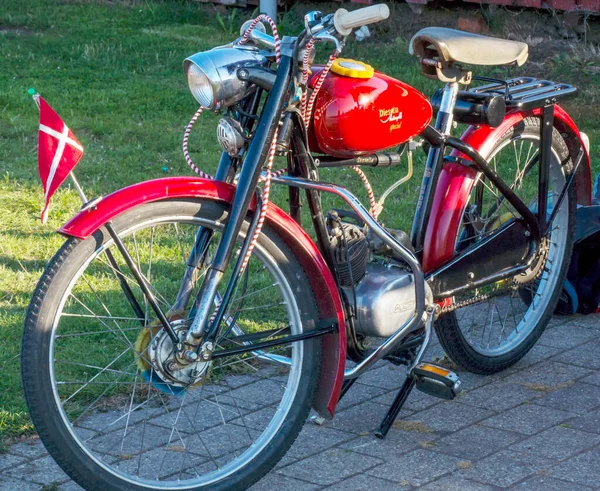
x=54, y=426
x=453, y=338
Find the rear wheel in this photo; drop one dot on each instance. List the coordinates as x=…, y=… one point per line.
x=105, y=402
x=491, y=335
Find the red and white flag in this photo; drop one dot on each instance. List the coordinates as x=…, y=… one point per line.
x=58, y=151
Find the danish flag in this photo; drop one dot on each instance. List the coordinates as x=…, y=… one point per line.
x=58, y=151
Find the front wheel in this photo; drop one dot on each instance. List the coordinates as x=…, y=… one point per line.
x=106, y=404
x=489, y=335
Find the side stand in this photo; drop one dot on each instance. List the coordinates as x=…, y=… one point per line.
x=394, y=409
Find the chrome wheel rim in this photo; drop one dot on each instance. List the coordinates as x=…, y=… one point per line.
x=208, y=467
x=495, y=327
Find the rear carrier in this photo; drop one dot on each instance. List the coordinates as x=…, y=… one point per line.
x=488, y=104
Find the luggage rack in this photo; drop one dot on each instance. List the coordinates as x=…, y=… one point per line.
x=525, y=93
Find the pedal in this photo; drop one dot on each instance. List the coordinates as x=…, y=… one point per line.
x=436, y=381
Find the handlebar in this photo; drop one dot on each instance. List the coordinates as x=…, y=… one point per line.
x=345, y=21
x=342, y=22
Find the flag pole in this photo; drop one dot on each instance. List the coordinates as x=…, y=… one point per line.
x=78, y=187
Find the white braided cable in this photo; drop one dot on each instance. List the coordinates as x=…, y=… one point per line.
x=318, y=84
x=305, y=69
x=365, y=180
x=271, y=22
x=186, y=154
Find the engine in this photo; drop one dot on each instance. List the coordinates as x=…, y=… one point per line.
x=377, y=285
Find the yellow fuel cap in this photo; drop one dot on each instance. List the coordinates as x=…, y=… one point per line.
x=352, y=68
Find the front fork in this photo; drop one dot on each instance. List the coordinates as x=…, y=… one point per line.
x=199, y=331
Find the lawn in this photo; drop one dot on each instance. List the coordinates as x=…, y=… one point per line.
x=113, y=71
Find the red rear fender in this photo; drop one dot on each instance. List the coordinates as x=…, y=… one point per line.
x=456, y=181
x=323, y=284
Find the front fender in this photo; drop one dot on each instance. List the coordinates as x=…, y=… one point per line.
x=322, y=282
x=456, y=181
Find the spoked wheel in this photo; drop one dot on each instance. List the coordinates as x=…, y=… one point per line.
x=112, y=409
x=506, y=318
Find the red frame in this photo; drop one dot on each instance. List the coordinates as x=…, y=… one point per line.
x=326, y=294
x=456, y=181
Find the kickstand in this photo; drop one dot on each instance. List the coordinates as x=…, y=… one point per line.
x=394, y=409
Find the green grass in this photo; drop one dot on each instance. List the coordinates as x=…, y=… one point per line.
x=113, y=71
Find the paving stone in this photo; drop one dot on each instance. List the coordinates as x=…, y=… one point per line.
x=105, y=422
x=363, y=418
x=8, y=461
x=368, y=483
x=450, y=416
x=498, y=396
x=538, y=353
x=581, y=469
x=471, y=381
x=198, y=417
x=557, y=443
x=9, y=484
x=281, y=483
x=161, y=462
x=42, y=471
x=394, y=445
x=547, y=483
x=416, y=401
x=567, y=336
x=593, y=379
x=416, y=468
x=585, y=321
x=583, y=356
x=527, y=419
x=455, y=483
x=387, y=377
x=314, y=439
x=589, y=422
x=475, y=442
x=253, y=396
x=31, y=449
x=330, y=467
x=361, y=393
x=503, y=469
x=70, y=486
x=577, y=398
x=139, y=437
x=548, y=375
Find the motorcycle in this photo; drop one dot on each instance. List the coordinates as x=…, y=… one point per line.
x=212, y=322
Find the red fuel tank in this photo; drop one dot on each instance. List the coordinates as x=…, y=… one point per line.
x=358, y=116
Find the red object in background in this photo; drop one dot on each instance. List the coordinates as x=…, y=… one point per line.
x=86, y=222
x=355, y=116
x=564, y=5
x=58, y=152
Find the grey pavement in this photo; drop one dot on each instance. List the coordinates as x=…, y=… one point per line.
x=535, y=426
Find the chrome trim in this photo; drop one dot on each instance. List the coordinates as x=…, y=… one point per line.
x=447, y=106
x=431, y=315
x=416, y=321
x=220, y=66
x=205, y=308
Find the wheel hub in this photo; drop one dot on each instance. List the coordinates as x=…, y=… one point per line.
x=159, y=360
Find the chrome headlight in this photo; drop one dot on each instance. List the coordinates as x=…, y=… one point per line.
x=212, y=75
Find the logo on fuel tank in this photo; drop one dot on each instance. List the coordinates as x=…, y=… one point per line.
x=392, y=116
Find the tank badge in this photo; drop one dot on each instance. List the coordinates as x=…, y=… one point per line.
x=392, y=116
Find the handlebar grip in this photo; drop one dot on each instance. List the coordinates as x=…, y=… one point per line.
x=345, y=21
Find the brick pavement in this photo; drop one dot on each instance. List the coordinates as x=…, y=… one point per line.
x=535, y=426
